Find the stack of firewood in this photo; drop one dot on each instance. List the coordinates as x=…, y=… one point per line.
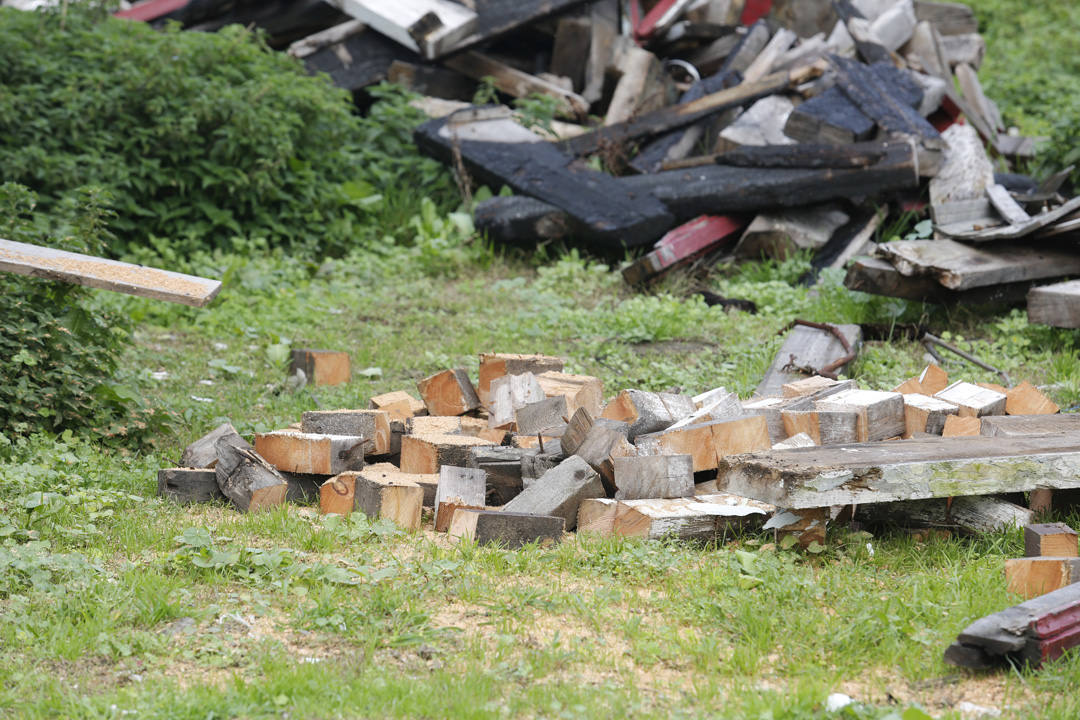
x=528, y=451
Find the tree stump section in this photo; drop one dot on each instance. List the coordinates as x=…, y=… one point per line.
x=506, y=529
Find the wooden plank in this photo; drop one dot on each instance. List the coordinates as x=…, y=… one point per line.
x=683, y=244
x=519, y=220
x=570, y=52
x=910, y=470
x=806, y=348
x=680, y=115
x=188, y=485
x=722, y=189
x=431, y=28
x=538, y=418
x=1014, y=425
x=961, y=267
x=640, y=87
x=974, y=514
x=867, y=90
x=1050, y=540
x=828, y=118
x=1031, y=633
x=1006, y=206
x=878, y=277
x=1012, y=232
x=603, y=31
x=1057, y=305
x=1031, y=577
x=148, y=10
x=516, y=83
x=324, y=38
x=506, y=529
x=497, y=151
x=47, y=263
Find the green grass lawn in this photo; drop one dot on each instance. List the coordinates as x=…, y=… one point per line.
x=116, y=604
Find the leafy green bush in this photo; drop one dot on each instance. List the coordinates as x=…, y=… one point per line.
x=58, y=355
x=200, y=137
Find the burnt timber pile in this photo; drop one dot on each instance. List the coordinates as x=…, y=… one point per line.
x=694, y=130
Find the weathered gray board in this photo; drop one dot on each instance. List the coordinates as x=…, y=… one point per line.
x=805, y=347
x=1012, y=232
x=878, y=277
x=961, y=267
x=429, y=27
x=903, y=470
x=51, y=264
x=1013, y=425
x=1057, y=305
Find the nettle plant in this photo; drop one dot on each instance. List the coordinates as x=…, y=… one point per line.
x=59, y=354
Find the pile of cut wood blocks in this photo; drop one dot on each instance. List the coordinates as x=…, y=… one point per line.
x=528, y=451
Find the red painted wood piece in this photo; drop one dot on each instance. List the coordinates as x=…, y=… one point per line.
x=644, y=29
x=685, y=243
x=150, y=9
x=754, y=10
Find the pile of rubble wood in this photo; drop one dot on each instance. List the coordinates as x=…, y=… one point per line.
x=528, y=451
x=742, y=128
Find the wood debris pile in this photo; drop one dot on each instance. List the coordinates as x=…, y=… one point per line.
x=743, y=128
x=528, y=451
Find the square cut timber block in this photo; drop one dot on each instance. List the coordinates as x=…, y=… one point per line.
x=449, y=392
x=321, y=367
x=459, y=487
x=496, y=365
x=580, y=391
x=373, y=425
x=1031, y=577
x=510, y=530
x=1050, y=540
x=399, y=404
x=310, y=453
x=425, y=454
x=879, y=415
x=923, y=413
x=389, y=496
x=973, y=400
